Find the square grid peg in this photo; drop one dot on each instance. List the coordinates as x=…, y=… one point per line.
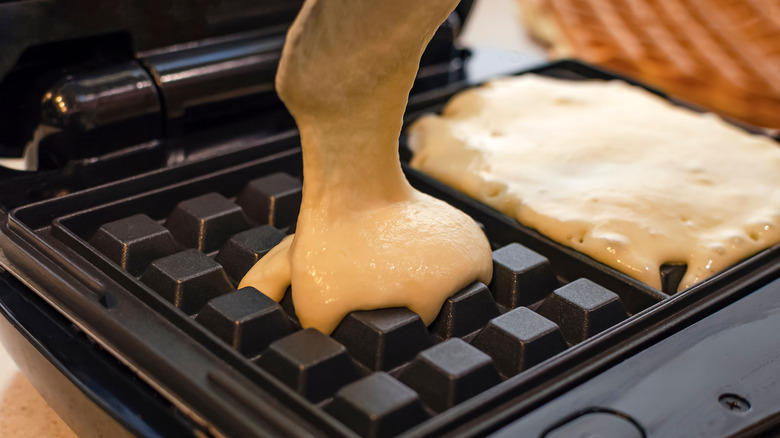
x=383, y=339
x=246, y=319
x=521, y=277
x=206, y=222
x=188, y=279
x=310, y=363
x=519, y=339
x=450, y=373
x=465, y=312
x=244, y=249
x=582, y=309
x=377, y=406
x=133, y=242
x=671, y=275
x=274, y=199
x=289, y=308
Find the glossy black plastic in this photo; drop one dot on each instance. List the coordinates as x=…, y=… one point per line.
x=75, y=376
x=714, y=378
x=97, y=112
x=95, y=107
x=190, y=283
x=211, y=369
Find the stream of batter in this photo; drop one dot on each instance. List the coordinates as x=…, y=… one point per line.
x=365, y=239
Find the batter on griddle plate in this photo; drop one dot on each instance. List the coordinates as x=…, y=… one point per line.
x=365, y=239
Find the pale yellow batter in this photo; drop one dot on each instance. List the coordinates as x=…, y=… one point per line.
x=610, y=170
x=365, y=238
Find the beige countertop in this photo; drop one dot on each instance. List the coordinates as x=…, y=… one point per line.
x=493, y=27
x=23, y=412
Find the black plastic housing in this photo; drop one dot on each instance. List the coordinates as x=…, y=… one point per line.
x=96, y=98
x=165, y=308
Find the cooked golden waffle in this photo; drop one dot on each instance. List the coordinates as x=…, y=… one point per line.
x=721, y=54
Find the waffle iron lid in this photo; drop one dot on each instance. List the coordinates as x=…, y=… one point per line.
x=148, y=24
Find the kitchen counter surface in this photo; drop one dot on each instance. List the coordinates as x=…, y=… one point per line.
x=23, y=412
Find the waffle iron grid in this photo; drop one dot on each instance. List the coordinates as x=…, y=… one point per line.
x=182, y=248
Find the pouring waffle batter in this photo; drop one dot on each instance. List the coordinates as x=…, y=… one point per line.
x=365, y=238
x=610, y=170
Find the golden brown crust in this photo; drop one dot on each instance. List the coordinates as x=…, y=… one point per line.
x=720, y=54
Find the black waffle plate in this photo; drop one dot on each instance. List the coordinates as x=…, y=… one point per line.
x=148, y=267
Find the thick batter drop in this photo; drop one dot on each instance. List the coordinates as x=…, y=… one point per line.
x=365, y=239
x=610, y=170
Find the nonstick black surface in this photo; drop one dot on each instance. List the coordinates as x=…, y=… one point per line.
x=149, y=266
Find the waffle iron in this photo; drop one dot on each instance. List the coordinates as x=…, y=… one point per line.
x=160, y=165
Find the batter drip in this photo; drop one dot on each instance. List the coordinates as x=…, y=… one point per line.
x=365, y=238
